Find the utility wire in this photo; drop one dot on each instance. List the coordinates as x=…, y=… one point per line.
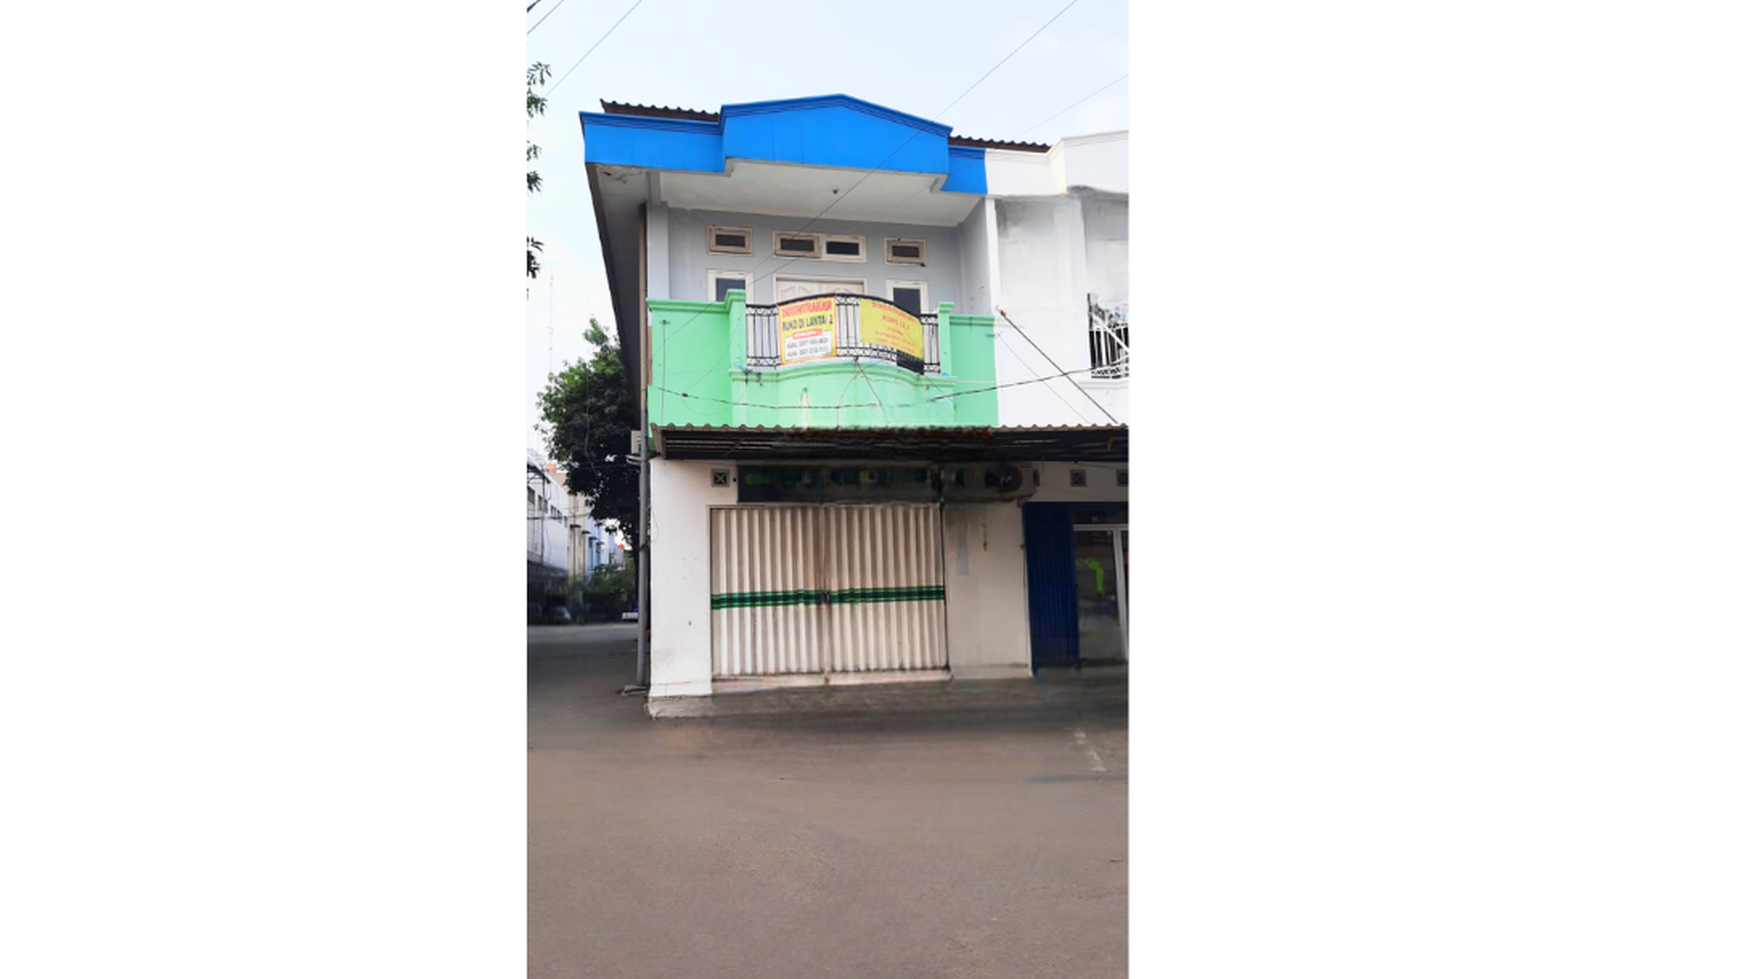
x=546, y=16
x=593, y=48
x=841, y=407
x=1033, y=373
x=1072, y=105
x=745, y=404
x=756, y=269
x=878, y=168
x=1053, y=363
x=1006, y=57
x=1016, y=384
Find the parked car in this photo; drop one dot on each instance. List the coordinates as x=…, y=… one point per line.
x=558, y=615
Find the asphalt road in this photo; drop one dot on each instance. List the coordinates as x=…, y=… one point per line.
x=942, y=842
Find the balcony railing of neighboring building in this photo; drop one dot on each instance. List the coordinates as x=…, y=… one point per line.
x=764, y=338
x=1109, y=338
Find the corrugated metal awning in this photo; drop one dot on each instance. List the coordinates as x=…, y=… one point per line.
x=1068, y=443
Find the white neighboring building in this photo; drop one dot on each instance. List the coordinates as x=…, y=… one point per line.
x=590, y=546
x=1059, y=267
x=546, y=528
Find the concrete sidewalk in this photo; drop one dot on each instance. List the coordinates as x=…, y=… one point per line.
x=1060, y=690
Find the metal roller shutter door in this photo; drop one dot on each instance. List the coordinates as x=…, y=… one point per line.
x=847, y=589
x=884, y=574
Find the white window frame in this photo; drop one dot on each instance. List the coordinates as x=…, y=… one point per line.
x=782, y=253
x=863, y=249
x=717, y=249
x=888, y=251
x=923, y=291
x=714, y=275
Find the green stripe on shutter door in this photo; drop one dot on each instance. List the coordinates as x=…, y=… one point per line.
x=845, y=596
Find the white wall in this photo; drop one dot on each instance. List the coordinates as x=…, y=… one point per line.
x=978, y=257
x=985, y=575
x=681, y=599
x=1106, y=236
x=1013, y=173
x=1098, y=162
x=1043, y=287
x=690, y=260
x=1102, y=483
x=1050, y=254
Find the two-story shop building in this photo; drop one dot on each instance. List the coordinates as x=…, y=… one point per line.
x=807, y=295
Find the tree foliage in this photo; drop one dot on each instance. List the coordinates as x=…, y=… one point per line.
x=536, y=76
x=589, y=412
x=607, y=592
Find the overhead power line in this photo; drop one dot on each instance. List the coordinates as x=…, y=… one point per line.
x=546, y=16
x=878, y=168
x=1033, y=373
x=1053, y=363
x=1016, y=384
x=878, y=403
x=1072, y=105
x=1006, y=57
x=593, y=48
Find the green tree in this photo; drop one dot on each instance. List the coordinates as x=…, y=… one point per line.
x=589, y=412
x=536, y=76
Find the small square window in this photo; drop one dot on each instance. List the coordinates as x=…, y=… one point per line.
x=1123, y=477
x=1078, y=477
x=731, y=241
x=792, y=244
x=843, y=248
x=721, y=477
x=903, y=251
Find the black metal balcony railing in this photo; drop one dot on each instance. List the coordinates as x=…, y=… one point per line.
x=763, y=333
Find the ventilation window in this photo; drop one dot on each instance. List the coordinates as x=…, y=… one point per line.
x=903, y=251
x=1078, y=477
x=795, y=245
x=730, y=241
x=1123, y=477
x=721, y=477
x=843, y=248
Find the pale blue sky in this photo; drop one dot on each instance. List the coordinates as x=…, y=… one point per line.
x=910, y=55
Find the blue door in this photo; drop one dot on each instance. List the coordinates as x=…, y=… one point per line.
x=1049, y=533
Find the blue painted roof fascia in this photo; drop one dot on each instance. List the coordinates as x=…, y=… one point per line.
x=653, y=143
x=834, y=133
x=836, y=100
x=826, y=131
x=966, y=170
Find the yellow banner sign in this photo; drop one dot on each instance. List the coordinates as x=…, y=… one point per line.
x=884, y=325
x=806, y=330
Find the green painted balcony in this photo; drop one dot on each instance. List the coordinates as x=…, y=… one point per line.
x=837, y=361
